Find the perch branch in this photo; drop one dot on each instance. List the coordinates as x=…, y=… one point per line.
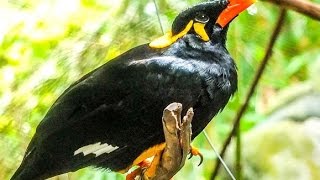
x=302, y=6
x=177, y=134
x=253, y=86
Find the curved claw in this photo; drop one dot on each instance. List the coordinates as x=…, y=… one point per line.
x=201, y=159
x=196, y=152
x=136, y=173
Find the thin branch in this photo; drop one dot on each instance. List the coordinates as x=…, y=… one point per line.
x=304, y=7
x=238, y=165
x=254, y=84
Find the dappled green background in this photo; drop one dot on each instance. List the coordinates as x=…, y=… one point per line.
x=46, y=45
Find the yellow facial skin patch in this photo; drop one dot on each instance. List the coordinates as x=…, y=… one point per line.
x=199, y=29
x=167, y=39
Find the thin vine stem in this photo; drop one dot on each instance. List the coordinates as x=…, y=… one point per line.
x=158, y=15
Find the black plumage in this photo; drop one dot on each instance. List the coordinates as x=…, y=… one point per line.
x=121, y=102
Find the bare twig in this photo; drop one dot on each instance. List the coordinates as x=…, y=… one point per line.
x=178, y=138
x=257, y=77
x=302, y=6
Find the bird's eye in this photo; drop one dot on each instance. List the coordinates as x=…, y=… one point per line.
x=202, y=18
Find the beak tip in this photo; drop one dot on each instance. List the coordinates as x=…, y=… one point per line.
x=234, y=8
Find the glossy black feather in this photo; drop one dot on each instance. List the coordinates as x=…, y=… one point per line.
x=121, y=104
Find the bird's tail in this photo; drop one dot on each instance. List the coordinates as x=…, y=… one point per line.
x=27, y=170
x=31, y=167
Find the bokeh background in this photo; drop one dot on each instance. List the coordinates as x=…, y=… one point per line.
x=45, y=45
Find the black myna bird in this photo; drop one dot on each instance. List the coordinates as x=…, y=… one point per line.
x=111, y=117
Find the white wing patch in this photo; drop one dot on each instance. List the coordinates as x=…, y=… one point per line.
x=96, y=149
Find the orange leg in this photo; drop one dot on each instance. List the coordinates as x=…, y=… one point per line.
x=151, y=171
x=144, y=161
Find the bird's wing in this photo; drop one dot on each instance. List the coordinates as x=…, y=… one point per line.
x=130, y=85
x=87, y=94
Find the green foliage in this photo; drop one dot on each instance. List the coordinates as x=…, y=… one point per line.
x=282, y=150
x=47, y=45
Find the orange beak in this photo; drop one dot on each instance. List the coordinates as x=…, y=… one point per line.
x=234, y=8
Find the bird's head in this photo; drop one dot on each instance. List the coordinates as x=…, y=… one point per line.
x=201, y=19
